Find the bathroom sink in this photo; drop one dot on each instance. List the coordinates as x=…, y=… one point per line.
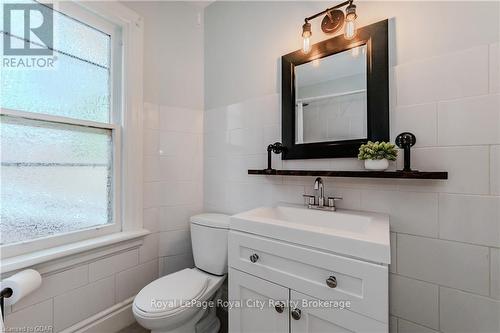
x=363, y=235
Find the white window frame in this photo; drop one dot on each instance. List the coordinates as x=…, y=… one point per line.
x=126, y=127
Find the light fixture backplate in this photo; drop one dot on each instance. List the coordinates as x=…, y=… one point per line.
x=333, y=21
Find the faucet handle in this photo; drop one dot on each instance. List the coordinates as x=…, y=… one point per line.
x=309, y=199
x=331, y=201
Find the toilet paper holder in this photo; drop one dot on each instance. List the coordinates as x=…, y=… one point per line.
x=5, y=293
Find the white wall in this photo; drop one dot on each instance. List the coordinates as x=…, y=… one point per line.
x=173, y=120
x=444, y=88
x=173, y=125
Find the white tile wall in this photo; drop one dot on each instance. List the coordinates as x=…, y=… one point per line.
x=454, y=75
x=39, y=314
x=414, y=300
x=495, y=273
x=114, y=264
x=405, y=326
x=470, y=218
x=444, y=233
x=464, y=312
x=173, y=188
x=469, y=121
x=55, y=284
x=83, y=302
x=444, y=262
x=495, y=170
x=131, y=281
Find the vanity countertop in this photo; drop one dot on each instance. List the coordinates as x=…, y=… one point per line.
x=362, y=235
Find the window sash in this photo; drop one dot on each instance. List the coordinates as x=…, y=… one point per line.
x=85, y=16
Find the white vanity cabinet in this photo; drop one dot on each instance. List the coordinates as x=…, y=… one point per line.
x=269, y=270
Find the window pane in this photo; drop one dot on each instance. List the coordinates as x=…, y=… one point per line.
x=73, y=89
x=78, y=86
x=55, y=178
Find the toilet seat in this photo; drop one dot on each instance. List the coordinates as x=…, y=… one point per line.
x=171, y=294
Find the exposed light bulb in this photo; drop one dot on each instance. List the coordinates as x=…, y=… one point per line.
x=306, y=35
x=350, y=22
x=350, y=29
x=306, y=44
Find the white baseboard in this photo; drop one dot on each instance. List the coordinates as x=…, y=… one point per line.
x=110, y=320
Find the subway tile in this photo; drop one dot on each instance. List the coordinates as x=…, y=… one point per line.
x=131, y=281
x=76, y=305
x=177, y=217
x=470, y=219
x=55, y=284
x=151, y=219
x=174, y=242
x=465, y=312
x=111, y=265
x=149, y=249
x=342, y=164
x=420, y=120
x=28, y=318
x=495, y=273
x=454, y=75
x=186, y=167
x=394, y=245
x=151, y=143
x=179, y=143
x=151, y=194
x=393, y=324
x=216, y=144
x=151, y=117
x=409, y=327
x=414, y=300
x=313, y=164
x=171, y=264
x=151, y=168
x=467, y=167
x=494, y=68
x=245, y=196
x=215, y=120
x=495, y=170
x=444, y=262
x=286, y=193
x=410, y=212
x=469, y=121
x=246, y=141
x=179, y=193
x=181, y=119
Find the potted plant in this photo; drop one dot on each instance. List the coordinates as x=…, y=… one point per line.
x=377, y=155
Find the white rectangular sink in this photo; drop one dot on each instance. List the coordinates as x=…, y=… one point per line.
x=353, y=233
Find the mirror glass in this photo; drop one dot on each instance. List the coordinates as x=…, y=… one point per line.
x=330, y=98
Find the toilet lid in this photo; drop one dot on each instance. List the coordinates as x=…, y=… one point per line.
x=171, y=292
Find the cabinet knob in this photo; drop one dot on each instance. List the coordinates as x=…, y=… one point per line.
x=280, y=307
x=296, y=314
x=254, y=257
x=331, y=282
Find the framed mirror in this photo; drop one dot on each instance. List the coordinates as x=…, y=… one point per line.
x=336, y=97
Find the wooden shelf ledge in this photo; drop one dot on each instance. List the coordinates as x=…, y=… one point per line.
x=355, y=174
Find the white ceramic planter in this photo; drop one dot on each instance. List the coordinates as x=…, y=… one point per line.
x=377, y=164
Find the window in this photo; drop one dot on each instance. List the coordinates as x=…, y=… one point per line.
x=60, y=132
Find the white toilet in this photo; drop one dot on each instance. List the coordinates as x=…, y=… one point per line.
x=174, y=303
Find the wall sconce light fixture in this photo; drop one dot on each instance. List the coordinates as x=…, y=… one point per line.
x=332, y=22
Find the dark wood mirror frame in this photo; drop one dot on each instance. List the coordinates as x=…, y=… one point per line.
x=375, y=37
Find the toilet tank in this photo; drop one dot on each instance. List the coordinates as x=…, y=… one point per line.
x=209, y=241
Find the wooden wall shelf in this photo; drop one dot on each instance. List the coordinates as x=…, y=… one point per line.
x=355, y=174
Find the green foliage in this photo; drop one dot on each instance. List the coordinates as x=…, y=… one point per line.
x=377, y=151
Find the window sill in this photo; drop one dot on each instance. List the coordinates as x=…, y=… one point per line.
x=75, y=253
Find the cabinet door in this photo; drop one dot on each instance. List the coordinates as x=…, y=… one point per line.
x=258, y=313
x=307, y=315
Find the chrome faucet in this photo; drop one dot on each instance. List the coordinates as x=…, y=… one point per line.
x=318, y=202
x=318, y=185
